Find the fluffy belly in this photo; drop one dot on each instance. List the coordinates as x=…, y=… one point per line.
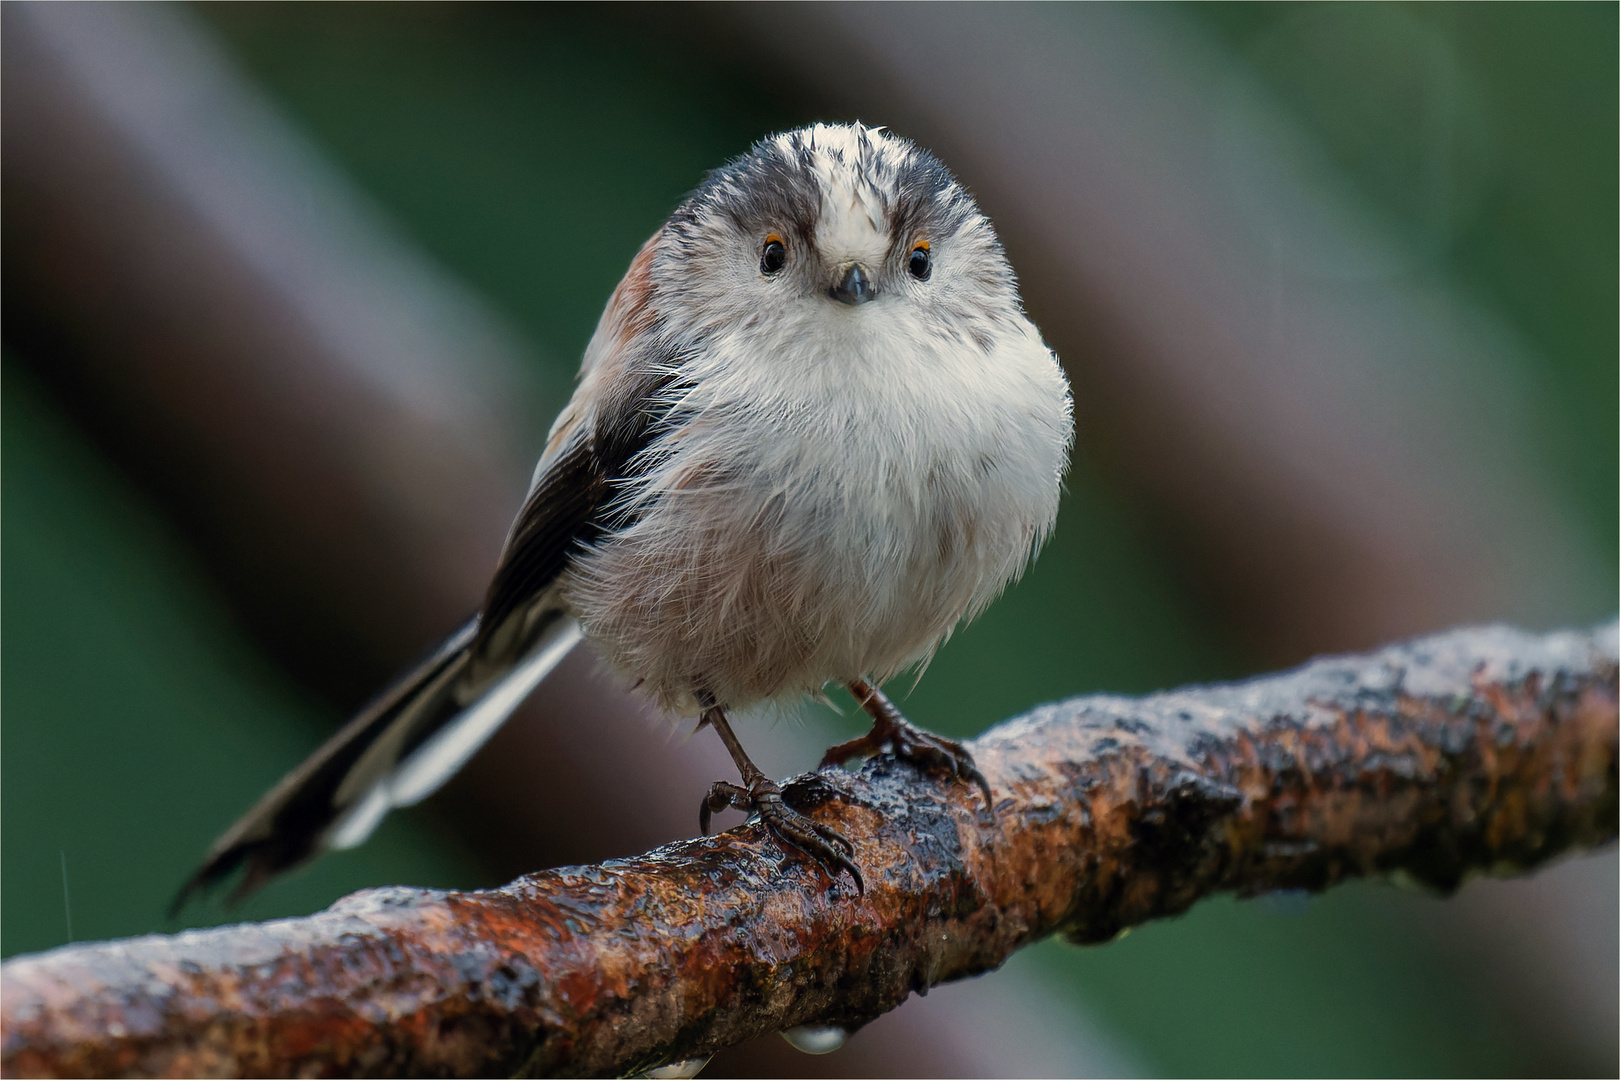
x=778, y=580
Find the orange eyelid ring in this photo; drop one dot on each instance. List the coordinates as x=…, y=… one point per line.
x=921, y=245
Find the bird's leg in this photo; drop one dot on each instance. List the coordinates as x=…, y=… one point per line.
x=759, y=793
x=911, y=743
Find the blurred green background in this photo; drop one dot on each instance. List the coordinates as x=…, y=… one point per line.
x=532, y=151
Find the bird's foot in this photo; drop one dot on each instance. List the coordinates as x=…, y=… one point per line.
x=830, y=849
x=906, y=741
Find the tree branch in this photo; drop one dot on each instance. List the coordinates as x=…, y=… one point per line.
x=1478, y=751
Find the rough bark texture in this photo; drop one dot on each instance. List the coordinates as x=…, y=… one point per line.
x=1478, y=751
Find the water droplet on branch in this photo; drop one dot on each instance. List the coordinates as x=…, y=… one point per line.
x=678, y=1070
x=816, y=1038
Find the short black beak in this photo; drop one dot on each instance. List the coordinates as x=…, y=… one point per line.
x=855, y=287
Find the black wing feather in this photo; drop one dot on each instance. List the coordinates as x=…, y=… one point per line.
x=567, y=507
x=553, y=519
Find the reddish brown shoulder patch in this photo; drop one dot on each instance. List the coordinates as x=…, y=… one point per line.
x=630, y=310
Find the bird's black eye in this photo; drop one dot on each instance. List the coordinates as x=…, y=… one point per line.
x=774, y=257
x=920, y=264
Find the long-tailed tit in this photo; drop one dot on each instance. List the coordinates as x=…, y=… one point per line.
x=813, y=432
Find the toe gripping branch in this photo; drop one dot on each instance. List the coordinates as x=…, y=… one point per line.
x=908, y=742
x=830, y=849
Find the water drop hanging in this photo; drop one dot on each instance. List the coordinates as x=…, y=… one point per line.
x=678, y=1070
x=816, y=1038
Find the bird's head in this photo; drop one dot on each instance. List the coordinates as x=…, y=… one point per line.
x=832, y=227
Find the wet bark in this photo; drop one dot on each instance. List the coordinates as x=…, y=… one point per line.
x=1481, y=751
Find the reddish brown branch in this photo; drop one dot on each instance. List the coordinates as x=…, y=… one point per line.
x=1478, y=751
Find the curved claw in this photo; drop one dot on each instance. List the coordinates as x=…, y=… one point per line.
x=916, y=745
x=921, y=748
x=837, y=862
x=721, y=796
x=827, y=847
x=820, y=843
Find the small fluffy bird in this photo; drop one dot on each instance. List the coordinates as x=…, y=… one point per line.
x=814, y=431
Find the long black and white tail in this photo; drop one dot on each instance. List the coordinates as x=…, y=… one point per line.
x=399, y=750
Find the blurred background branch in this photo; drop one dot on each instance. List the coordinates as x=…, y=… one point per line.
x=291, y=294
x=1478, y=751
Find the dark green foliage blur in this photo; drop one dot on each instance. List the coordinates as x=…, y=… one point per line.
x=138, y=718
x=1522, y=202
x=532, y=151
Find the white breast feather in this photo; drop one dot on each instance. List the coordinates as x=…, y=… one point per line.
x=835, y=497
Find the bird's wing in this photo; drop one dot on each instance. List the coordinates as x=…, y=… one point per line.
x=420, y=731
x=623, y=392
x=556, y=516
